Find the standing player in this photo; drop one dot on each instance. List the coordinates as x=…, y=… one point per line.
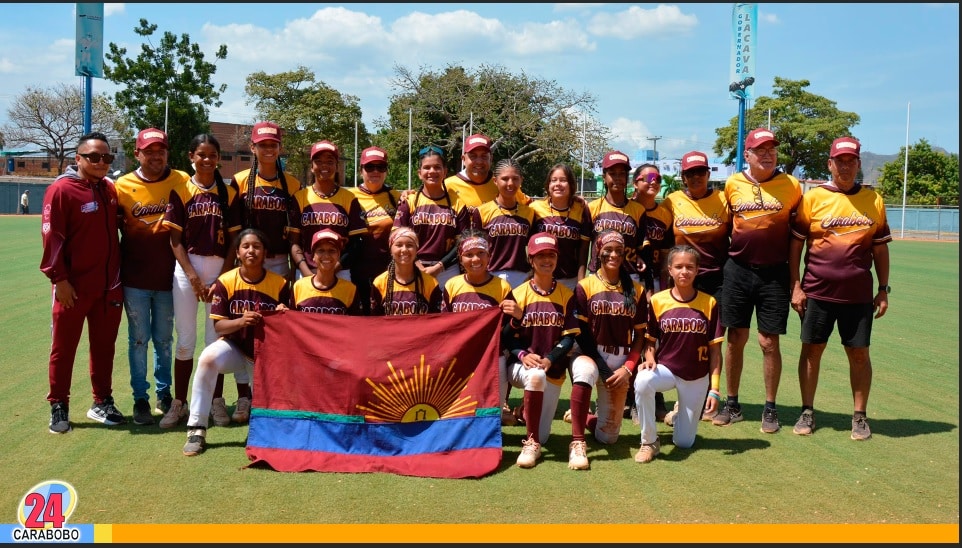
x=324, y=204
x=540, y=333
x=564, y=214
x=202, y=218
x=379, y=204
x=81, y=257
x=845, y=229
x=763, y=201
x=507, y=223
x=684, y=353
x=147, y=269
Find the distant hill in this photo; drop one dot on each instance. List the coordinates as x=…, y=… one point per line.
x=872, y=164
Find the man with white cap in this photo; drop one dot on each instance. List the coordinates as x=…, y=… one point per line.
x=839, y=219
x=762, y=200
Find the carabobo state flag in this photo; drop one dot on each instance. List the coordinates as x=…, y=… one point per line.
x=410, y=395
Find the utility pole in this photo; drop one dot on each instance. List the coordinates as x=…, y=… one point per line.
x=654, y=144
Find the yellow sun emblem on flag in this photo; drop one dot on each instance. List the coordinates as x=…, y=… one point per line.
x=422, y=397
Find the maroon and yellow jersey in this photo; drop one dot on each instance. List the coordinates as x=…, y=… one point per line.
x=341, y=298
x=761, y=217
x=613, y=322
x=460, y=295
x=146, y=259
x=196, y=212
x=402, y=299
x=232, y=296
x=437, y=223
x=378, y=211
x=841, y=228
x=473, y=194
x=704, y=224
x=572, y=227
x=628, y=220
x=658, y=235
x=684, y=331
x=545, y=320
x=508, y=232
x=272, y=210
x=340, y=212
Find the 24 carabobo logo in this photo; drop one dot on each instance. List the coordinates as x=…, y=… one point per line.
x=43, y=513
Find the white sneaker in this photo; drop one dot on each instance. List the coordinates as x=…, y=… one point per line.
x=670, y=416
x=218, y=412
x=177, y=412
x=242, y=411
x=577, y=455
x=530, y=453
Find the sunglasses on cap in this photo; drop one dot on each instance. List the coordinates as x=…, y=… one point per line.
x=374, y=167
x=96, y=157
x=430, y=148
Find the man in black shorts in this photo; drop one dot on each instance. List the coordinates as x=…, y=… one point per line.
x=839, y=219
x=762, y=200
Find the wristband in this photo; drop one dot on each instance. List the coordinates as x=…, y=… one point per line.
x=714, y=394
x=715, y=379
x=303, y=260
x=522, y=354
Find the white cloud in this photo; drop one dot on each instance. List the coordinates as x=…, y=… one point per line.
x=769, y=18
x=636, y=22
x=114, y=9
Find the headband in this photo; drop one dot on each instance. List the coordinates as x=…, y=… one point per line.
x=403, y=232
x=474, y=242
x=610, y=236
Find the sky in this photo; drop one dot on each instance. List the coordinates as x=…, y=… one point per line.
x=659, y=72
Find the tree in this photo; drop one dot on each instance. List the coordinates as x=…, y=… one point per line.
x=168, y=87
x=933, y=177
x=804, y=123
x=52, y=120
x=533, y=121
x=308, y=111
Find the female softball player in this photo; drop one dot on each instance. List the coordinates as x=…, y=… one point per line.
x=238, y=298
x=565, y=215
x=323, y=292
x=404, y=289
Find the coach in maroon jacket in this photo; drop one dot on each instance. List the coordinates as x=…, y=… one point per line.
x=81, y=256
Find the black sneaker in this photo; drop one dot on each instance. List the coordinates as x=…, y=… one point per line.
x=770, y=421
x=59, y=419
x=163, y=404
x=860, y=429
x=142, y=413
x=106, y=413
x=729, y=414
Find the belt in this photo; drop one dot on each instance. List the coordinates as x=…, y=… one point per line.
x=756, y=266
x=616, y=350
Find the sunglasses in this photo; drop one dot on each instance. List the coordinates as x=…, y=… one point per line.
x=96, y=157
x=698, y=171
x=652, y=178
x=757, y=191
x=375, y=167
x=430, y=148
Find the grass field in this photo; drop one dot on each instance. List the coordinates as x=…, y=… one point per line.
x=734, y=476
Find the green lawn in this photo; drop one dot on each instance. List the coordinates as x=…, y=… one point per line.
x=906, y=474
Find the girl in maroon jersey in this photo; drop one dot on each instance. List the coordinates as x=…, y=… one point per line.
x=683, y=352
x=202, y=217
x=565, y=214
x=404, y=289
x=507, y=223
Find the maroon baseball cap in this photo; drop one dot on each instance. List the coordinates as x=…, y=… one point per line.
x=693, y=159
x=614, y=158
x=326, y=234
x=324, y=146
x=149, y=136
x=371, y=155
x=845, y=145
x=542, y=241
x=265, y=131
x=477, y=141
x=760, y=136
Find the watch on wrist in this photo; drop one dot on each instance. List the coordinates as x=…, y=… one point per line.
x=886, y=288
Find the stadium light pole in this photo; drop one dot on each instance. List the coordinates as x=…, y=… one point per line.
x=738, y=88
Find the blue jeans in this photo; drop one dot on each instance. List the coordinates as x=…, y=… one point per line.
x=150, y=318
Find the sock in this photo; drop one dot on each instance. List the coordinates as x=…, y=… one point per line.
x=858, y=414
x=580, y=399
x=769, y=404
x=532, y=413
x=809, y=407
x=733, y=401
x=219, y=386
x=182, y=371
